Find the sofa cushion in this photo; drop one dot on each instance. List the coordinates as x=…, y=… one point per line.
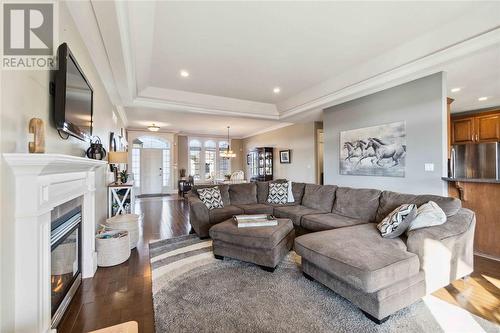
x=218, y=215
x=357, y=203
x=320, y=222
x=259, y=237
x=319, y=197
x=241, y=194
x=294, y=212
x=298, y=192
x=256, y=208
x=358, y=255
x=211, y=197
x=391, y=200
x=223, y=188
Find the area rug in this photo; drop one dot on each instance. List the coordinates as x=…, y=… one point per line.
x=194, y=292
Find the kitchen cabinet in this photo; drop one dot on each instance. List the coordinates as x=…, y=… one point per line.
x=483, y=127
x=463, y=130
x=488, y=128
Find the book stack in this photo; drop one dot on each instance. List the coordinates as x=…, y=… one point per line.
x=257, y=220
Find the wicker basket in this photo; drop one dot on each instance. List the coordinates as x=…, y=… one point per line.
x=129, y=222
x=112, y=251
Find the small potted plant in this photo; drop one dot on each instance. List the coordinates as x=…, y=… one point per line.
x=123, y=176
x=227, y=176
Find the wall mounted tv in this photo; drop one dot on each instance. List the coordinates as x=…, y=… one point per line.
x=73, y=97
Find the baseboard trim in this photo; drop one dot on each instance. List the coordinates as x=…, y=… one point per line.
x=479, y=254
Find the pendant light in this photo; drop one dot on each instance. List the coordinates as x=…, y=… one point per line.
x=154, y=128
x=227, y=153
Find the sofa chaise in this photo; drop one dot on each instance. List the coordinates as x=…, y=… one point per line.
x=342, y=248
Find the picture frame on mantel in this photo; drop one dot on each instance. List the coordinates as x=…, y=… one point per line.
x=285, y=156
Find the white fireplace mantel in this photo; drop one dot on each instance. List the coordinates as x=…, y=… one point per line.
x=35, y=184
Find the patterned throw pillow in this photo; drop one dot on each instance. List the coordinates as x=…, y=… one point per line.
x=278, y=193
x=211, y=197
x=394, y=224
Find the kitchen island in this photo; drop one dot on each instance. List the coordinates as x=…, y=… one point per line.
x=483, y=197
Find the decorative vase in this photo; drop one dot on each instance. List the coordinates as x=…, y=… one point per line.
x=37, y=128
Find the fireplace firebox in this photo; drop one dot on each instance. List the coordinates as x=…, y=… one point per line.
x=66, y=261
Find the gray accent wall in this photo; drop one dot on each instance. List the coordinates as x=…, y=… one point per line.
x=422, y=105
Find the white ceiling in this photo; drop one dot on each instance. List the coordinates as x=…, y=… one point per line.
x=243, y=49
x=319, y=53
x=477, y=75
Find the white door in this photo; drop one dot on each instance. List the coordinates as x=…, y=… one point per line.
x=151, y=171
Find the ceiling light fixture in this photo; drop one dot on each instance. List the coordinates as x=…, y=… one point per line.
x=454, y=90
x=481, y=99
x=153, y=128
x=184, y=73
x=276, y=90
x=228, y=153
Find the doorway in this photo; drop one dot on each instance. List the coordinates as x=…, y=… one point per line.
x=319, y=156
x=151, y=171
x=151, y=165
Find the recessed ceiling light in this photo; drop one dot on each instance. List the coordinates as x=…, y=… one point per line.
x=184, y=73
x=454, y=90
x=484, y=98
x=276, y=90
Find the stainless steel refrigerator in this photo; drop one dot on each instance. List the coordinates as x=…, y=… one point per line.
x=475, y=161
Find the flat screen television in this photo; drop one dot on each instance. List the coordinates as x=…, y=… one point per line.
x=73, y=97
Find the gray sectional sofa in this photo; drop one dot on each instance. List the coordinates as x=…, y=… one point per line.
x=342, y=248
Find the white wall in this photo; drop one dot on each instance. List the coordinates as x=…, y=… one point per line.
x=300, y=139
x=24, y=95
x=422, y=105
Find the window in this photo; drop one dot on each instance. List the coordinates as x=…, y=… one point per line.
x=136, y=166
x=166, y=167
x=205, y=163
x=224, y=163
x=194, y=159
x=210, y=158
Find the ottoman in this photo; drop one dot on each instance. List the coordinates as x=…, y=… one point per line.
x=264, y=246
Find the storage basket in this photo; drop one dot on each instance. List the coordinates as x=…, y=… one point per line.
x=129, y=222
x=113, y=250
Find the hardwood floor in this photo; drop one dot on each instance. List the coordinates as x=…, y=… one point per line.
x=123, y=293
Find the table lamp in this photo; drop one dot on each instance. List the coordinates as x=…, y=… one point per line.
x=116, y=158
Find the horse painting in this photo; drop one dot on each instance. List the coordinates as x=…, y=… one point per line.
x=377, y=151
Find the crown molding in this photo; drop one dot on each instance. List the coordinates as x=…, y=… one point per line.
x=418, y=68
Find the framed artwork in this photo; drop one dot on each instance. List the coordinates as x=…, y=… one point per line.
x=374, y=151
x=285, y=156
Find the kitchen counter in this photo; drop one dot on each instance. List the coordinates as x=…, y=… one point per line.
x=472, y=180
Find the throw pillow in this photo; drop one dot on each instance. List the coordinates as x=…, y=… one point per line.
x=211, y=197
x=396, y=223
x=278, y=193
x=428, y=215
x=290, y=192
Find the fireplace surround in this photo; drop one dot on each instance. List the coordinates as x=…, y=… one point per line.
x=37, y=185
